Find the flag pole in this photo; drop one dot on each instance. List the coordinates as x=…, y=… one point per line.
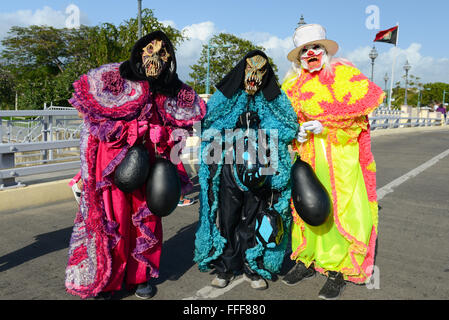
x=392, y=70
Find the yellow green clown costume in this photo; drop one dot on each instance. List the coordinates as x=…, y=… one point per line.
x=341, y=99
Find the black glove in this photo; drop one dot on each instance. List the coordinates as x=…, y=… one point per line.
x=246, y=118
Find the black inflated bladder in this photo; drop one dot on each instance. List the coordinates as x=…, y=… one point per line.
x=310, y=197
x=163, y=188
x=132, y=172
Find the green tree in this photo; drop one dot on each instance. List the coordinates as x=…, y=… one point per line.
x=7, y=94
x=43, y=61
x=222, y=60
x=427, y=94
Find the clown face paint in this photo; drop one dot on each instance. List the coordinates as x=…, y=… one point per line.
x=254, y=72
x=312, y=57
x=154, y=58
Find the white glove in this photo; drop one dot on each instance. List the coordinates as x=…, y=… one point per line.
x=302, y=135
x=314, y=126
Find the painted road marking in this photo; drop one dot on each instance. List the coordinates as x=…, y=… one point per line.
x=209, y=292
x=382, y=192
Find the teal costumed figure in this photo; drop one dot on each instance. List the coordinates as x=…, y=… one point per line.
x=245, y=175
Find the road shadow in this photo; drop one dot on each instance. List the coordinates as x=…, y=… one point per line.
x=176, y=259
x=177, y=254
x=45, y=243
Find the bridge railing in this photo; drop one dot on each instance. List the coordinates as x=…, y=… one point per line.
x=45, y=141
x=37, y=141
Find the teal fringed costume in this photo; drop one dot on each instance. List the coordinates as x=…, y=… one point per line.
x=224, y=109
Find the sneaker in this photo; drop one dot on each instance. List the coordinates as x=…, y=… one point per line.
x=222, y=279
x=186, y=202
x=333, y=286
x=257, y=282
x=144, y=291
x=298, y=273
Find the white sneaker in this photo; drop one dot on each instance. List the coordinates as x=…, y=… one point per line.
x=257, y=282
x=221, y=280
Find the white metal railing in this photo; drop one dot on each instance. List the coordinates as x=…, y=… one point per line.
x=38, y=141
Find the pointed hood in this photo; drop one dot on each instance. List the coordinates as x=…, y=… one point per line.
x=167, y=83
x=233, y=81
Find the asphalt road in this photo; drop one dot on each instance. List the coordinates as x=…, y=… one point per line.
x=412, y=260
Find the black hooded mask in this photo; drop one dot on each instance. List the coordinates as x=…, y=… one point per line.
x=233, y=81
x=167, y=83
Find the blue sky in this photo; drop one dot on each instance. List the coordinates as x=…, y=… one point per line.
x=422, y=32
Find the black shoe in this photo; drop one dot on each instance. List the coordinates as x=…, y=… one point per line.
x=333, y=286
x=104, y=295
x=298, y=273
x=144, y=291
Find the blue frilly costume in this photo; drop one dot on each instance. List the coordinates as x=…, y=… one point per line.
x=223, y=113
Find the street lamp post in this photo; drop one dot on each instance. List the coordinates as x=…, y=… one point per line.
x=208, y=63
x=386, y=89
x=139, y=19
x=407, y=67
x=373, y=55
x=420, y=88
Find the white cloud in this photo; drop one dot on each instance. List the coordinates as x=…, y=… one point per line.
x=167, y=23
x=189, y=51
x=200, y=31
x=428, y=69
x=45, y=16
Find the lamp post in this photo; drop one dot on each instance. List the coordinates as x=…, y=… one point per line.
x=420, y=88
x=407, y=67
x=208, y=63
x=301, y=21
x=444, y=95
x=373, y=55
x=386, y=81
x=139, y=19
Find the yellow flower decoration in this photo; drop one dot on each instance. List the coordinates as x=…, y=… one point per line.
x=342, y=85
x=320, y=94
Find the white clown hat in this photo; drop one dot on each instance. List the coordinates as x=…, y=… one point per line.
x=311, y=34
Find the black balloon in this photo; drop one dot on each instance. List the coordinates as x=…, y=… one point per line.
x=132, y=172
x=310, y=197
x=163, y=189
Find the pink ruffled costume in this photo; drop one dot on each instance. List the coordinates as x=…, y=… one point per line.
x=115, y=231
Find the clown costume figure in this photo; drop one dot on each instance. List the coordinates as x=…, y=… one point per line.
x=127, y=108
x=244, y=210
x=332, y=99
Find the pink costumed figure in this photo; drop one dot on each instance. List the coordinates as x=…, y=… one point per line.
x=116, y=239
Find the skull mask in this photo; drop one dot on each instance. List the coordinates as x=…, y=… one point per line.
x=254, y=72
x=154, y=58
x=313, y=57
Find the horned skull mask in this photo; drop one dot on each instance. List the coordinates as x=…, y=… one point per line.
x=254, y=72
x=154, y=58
